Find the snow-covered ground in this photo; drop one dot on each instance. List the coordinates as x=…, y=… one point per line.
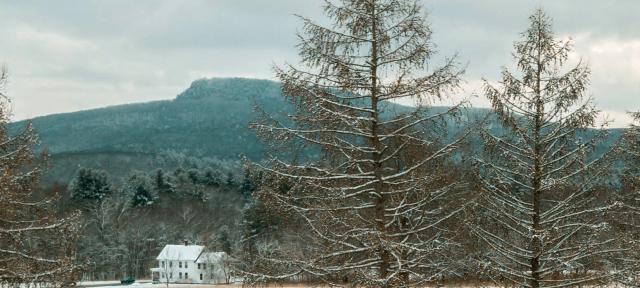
x=147, y=284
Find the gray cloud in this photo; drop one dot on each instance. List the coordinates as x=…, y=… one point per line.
x=71, y=55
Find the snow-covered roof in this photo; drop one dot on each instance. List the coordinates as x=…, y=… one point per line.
x=211, y=257
x=180, y=252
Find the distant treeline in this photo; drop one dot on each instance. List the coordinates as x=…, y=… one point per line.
x=127, y=221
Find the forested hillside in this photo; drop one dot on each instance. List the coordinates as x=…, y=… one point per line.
x=209, y=119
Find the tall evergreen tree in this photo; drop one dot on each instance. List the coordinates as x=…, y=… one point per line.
x=90, y=184
x=538, y=182
x=140, y=190
x=163, y=183
x=212, y=178
x=372, y=204
x=35, y=246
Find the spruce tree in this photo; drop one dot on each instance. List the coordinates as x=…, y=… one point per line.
x=90, y=184
x=140, y=190
x=163, y=183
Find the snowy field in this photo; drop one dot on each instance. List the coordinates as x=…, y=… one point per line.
x=111, y=284
x=147, y=284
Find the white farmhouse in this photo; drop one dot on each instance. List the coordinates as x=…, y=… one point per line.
x=190, y=264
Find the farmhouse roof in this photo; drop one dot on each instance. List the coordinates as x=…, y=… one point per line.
x=180, y=252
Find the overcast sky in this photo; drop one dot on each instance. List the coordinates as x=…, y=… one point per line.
x=71, y=55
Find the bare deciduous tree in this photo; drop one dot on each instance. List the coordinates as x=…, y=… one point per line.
x=538, y=181
x=373, y=205
x=168, y=269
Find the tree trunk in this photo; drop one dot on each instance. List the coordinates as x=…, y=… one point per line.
x=380, y=199
x=536, y=240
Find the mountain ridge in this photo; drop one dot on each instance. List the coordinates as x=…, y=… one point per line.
x=210, y=119
x=161, y=121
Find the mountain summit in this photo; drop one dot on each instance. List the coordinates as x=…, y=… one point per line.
x=209, y=119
